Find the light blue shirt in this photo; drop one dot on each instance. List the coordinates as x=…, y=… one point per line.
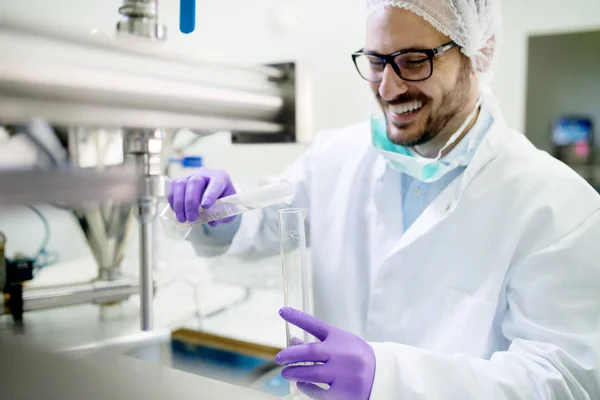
x=417, y=195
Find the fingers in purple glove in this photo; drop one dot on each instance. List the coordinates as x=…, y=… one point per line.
x=178, y=205
x=203, y=188
x=309, y=373
x=296, y=341
x=306, y=322
x=312, y=390
x=195, y=187
x=217, y=183
x=311, y=352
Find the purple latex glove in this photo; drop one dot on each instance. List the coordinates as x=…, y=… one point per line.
x=346, y=362
x=202, y=188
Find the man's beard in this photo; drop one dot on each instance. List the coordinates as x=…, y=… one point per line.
x=452, y=103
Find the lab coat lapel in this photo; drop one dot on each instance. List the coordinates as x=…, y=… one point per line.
x=446, y=202
x=437, y=211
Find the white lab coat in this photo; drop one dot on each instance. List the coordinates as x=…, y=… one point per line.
x=492, y=294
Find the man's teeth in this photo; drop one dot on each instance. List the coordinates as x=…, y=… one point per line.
x=406, y=107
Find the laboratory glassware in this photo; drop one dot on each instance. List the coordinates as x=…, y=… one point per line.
x=296, y=292
x=262, y=196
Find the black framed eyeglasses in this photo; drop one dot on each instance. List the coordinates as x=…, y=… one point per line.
x=410, y=65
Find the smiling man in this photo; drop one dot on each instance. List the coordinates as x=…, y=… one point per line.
x=452, y=259
x=422, y=108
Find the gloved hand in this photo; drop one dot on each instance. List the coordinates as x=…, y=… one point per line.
x=347, y=363
x=202, y=188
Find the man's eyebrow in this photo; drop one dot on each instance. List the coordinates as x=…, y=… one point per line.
x=404, y=49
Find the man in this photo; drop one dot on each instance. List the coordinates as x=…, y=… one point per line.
x=452, y=259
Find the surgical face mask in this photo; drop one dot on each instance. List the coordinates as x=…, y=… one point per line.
x=406, y=160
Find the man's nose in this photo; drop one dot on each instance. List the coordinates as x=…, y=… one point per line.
x=391, y=85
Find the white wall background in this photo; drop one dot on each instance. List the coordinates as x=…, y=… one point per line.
x=320, y=35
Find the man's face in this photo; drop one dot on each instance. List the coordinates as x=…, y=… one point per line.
x=443, y=98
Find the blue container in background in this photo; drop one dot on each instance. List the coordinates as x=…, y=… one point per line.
x=188, y=162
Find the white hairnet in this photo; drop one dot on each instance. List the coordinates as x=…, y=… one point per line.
x=473, y=24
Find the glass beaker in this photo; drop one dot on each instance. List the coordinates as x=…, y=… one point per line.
x=296, y=292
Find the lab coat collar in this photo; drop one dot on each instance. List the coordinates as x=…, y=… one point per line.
x=447, y=201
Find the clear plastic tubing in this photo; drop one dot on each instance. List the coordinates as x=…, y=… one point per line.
x=295, y=274
x=262, y=196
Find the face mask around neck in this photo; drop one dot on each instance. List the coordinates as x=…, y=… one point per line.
x=404, y=159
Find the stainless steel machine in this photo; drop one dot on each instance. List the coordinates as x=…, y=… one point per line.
x=135, y=91
x=71, y=91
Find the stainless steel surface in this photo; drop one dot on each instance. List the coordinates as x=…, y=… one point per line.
x=139, y=86
x=130, y=82
x=143, y=48
x=80, y=327
x=176, y=305
x=82, y=331
x=98, y=377
x=69, y=187
x=17, y=109
x=106, y=226
x=140, y=141
x=294, y=114
x=147, y=262
x=120, y=344
x=94, y=147
x=140, y=18
x=97, y=292
x=53, y=81
x=143, y=147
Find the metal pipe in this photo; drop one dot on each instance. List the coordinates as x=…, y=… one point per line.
x=146, y=269
x=129, y=90
x=96, y=292
x=17, y=109
x=110, y=85
x=140, y=19
x=62, y=34
x=143, y=148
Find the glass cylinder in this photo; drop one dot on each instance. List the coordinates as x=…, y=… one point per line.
x=295, y=273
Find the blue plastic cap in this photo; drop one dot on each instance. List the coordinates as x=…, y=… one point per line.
x=192, y=162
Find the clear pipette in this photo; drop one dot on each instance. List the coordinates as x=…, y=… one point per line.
x=260, y=197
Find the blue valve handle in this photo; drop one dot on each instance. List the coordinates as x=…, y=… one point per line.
x=187, y=16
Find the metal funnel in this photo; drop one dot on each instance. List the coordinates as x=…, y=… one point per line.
x=106, y=226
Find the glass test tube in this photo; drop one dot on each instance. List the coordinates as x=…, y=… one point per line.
x=262, y=196
x=295, y=273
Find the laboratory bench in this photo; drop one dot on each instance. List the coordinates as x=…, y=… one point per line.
x=224, y=333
